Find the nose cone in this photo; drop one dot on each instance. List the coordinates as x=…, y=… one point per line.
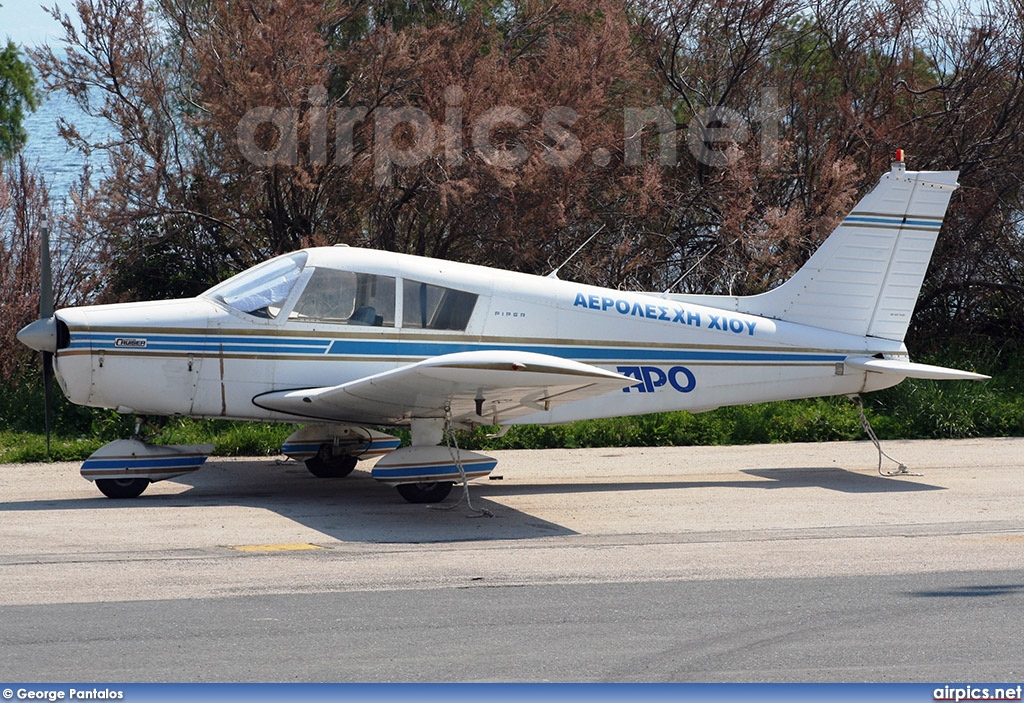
x=41, y=335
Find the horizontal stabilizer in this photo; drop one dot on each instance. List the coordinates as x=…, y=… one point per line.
x=909, y=369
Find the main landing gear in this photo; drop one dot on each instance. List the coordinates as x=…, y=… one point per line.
x=422, y=473
x=328, y=463
x=332, y=451
x=430, y=492
x=426, y=471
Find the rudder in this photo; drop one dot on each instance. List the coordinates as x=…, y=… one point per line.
x=865, y=277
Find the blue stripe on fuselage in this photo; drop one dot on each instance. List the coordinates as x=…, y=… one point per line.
x=200, y=344
x=422, y=349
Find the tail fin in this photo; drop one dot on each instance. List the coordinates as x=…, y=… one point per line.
x=864, y=279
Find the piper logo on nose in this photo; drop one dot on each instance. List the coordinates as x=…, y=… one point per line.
x=652, y=377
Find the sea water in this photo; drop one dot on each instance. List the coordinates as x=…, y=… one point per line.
x=50, y=156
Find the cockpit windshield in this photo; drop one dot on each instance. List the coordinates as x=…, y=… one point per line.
x=262, y=290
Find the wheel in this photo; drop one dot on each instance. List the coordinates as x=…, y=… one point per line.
x=433, y=492
x=122, y=487
x=327, y=464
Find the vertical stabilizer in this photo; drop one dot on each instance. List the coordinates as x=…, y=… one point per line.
x=864, y=279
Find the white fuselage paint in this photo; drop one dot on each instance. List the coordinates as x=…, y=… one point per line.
x=202, y=358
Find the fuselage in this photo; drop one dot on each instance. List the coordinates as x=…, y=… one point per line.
x=326, y=316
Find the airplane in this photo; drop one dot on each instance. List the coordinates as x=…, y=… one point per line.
x=346, y=339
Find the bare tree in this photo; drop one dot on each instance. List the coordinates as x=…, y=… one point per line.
x=24, y=202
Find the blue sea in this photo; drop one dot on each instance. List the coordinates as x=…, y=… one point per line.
x=45, y=150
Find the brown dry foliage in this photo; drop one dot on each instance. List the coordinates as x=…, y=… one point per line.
x=823, y=93
x=24, y=198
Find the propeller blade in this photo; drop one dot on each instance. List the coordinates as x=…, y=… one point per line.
x=45, y=313
x=47, y=395
x=45, y=270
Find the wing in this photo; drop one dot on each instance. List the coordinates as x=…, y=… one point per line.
x=480, y=387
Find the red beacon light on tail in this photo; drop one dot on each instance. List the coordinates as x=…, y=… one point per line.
x=897, y=162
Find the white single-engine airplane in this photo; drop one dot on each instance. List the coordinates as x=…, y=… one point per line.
x=340, y=337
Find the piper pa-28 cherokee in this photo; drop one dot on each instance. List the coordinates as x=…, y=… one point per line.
x=341, y=338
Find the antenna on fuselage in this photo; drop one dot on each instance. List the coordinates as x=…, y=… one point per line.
x=689, y=270
x=554, y=274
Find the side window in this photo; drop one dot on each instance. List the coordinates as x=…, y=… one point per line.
x=345, y=297
x=426, y=306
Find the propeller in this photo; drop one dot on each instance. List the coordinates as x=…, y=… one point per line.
x=46, y=313
x=41, y=335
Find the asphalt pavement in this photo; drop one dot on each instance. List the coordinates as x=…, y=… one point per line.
x=757, y=563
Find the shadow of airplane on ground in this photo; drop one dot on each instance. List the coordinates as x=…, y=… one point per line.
x=359, y=509
x=830, y=478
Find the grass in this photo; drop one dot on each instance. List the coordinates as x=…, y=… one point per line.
x=230, y=438
x=920, y=410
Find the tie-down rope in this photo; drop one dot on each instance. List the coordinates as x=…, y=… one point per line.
x=452, y=442
x=866, y=424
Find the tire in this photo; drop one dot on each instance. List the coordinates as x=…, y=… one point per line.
x=122, y=487
x=328, y=465
x=433, y=492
